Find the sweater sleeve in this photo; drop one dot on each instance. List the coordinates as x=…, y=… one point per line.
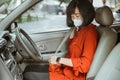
x=82, y=64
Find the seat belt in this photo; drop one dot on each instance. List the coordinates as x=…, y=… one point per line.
x=63, y=41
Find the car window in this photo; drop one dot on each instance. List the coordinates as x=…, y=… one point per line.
x=7, y=6
x=48, y=15
x=43, y=10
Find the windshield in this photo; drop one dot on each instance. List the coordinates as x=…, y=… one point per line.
x=7, y=6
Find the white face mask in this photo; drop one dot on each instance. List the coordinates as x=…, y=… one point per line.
x=77, y=22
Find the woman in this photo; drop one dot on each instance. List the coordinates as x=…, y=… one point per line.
x=82, y=44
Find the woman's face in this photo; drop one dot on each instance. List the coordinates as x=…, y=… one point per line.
x=76, y=14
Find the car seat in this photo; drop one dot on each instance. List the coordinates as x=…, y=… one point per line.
x=110, y=70
x=107, y=40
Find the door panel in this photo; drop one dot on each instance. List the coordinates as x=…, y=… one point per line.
x=48, y=42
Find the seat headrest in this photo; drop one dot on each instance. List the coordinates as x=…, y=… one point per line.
x=104, y=16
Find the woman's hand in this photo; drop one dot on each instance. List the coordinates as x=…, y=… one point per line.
x=52, y=60
x=64, y=61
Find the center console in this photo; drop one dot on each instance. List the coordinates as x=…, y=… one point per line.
x=8, y=66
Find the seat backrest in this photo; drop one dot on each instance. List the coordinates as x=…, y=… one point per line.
x=107, y=40
x=110, y=70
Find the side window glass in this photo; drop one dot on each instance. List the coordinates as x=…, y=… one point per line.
x=43, y=11
x=7, y=6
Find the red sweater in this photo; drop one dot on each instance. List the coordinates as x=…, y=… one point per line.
x=81, y=51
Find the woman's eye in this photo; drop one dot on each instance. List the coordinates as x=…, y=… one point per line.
x=78, y=15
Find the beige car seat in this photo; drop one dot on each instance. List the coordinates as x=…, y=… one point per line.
x=107, y=40
x=110, y=70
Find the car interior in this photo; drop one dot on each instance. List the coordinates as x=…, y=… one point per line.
x=25, y=56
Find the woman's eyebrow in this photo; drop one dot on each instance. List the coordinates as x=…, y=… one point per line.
x=75, y=13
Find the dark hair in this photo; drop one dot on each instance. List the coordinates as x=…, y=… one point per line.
x=86, y=9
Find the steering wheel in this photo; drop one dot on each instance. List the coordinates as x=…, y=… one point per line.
x=36, y=55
